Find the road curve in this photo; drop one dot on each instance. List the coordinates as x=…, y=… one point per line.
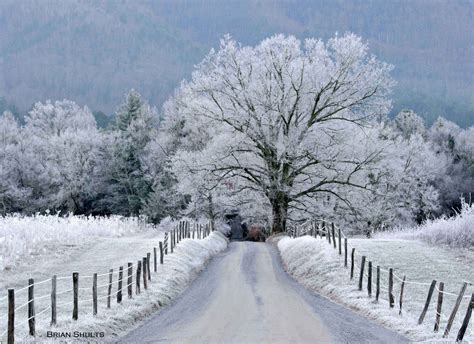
x=245, y=296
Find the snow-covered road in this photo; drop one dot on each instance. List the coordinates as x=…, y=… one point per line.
x=245, y=296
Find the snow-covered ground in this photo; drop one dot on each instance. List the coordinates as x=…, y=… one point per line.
x=316, y=264
x=456, y=231
x=118, y=241
x=24, y=236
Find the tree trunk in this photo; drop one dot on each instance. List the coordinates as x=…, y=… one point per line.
x=279, y=212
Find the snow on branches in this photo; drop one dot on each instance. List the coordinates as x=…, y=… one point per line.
x=277, y=120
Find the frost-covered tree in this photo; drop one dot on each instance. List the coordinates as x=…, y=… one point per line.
x=457, y=146
x=60, y=142
x=408, y=123
x=125, y=186
x=277, y=119
x=13, y=193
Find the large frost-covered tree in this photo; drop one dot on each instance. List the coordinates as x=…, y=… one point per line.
x=277, y=119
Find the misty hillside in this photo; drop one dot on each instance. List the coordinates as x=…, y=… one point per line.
x=93, y=52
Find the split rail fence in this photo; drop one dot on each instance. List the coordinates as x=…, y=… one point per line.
x=336, y=238
x=128, y=277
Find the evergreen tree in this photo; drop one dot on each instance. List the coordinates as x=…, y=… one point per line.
x=127, y=188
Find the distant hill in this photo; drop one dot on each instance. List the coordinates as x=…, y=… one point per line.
x=94, y=51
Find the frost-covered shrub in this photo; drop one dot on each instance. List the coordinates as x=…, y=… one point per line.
x=457, y=231
x=27, y=235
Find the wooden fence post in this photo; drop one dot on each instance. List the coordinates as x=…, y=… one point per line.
x=130, y=280
x=94, y=294
x=369, y=279
x=439, y=306
x=427, y=303
x=317, y=229
x=119, y=287
x=148, y=259
x=161, y=252
x=145, y=278
x=455, y=310
x=333, y=234
x=109, y=291
x=345, y=252
x=31, y=306
x=377, y=284
x=401, y=294
x=328, y=233
x=171, y=246
x=155, y=263
x=361, y=275
x=75, y=286
x=352, y=262
x=166, y=243
x=11, y=316
x=391, y=299
x=139, y=271
x=53, y=300
x=339, y=239
x=465, y=322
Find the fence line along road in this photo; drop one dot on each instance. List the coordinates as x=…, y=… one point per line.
x=127, y=277
x=318, y=228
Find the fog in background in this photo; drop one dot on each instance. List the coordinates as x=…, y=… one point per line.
x=93, y=52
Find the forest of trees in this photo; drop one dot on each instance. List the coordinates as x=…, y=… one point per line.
x=281, y=131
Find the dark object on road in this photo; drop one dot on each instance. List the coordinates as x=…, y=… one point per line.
x=238, y=230
x=256, y=233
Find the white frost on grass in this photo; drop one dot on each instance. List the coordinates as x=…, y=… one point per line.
x=457, y=231
x=179, y=268
x=22, y=236
x=315, y=264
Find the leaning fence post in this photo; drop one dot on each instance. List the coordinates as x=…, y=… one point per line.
x=369, y=279
x=391, y=299
x=401, y=294
x=352, y=262
x=361, y=275
x=109, y=291
x=339, y=239
x=145, y=278
x=11, y=316
x=130, y=280
x=439, y=306
x=333, y=234
x=455, y=310
x=119, y=287
x=427, y=303
x=94, y=294
x=465, y=322
x=31, y=306
x=75, y=287
x=161, y=252
x=148, y=259
x=53, y=300
x=139, y=271
x=377, y=284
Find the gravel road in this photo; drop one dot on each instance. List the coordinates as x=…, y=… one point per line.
x=245, y=296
